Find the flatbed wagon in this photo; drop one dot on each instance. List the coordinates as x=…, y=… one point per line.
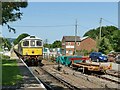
x=87, y=64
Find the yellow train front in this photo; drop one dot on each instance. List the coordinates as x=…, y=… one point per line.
x=31, y=49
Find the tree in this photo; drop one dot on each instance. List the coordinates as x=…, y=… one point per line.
x=57, y=44
x=47, y=45
x=7, y=44
x=107, y=31
x=116, y=41
x=20, y=37
x=105, y=46
x=110, y=38
x=11, y=12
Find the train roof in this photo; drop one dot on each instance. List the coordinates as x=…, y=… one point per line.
x=30, y=37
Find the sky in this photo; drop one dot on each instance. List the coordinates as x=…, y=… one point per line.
x=53, y=20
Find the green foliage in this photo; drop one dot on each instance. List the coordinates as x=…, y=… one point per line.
x=106, y=31
x=116, y=41
x=11, y=12
x=1, y=43
x=1, y=40
x=20, y=37
x=92, y=33
x=93, y=50
x=105, y=46
x=82, y=52
x=47, y=45
x=55, y=44
x=110, y=38
x=4, y=56
x=5, y=42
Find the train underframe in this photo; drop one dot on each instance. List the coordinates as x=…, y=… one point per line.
x=32, y=60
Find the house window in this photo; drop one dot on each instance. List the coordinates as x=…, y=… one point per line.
x=69, y=43
x=78, y=43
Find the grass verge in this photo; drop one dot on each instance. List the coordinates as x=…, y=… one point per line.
x=10, y=73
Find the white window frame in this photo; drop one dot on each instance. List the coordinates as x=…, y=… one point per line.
x=69, y=43
x=78, y=43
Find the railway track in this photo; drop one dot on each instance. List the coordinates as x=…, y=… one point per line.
x=111, y=75
x=108, y=78
x=51, y=81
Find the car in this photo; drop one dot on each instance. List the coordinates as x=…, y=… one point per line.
x=98, y=57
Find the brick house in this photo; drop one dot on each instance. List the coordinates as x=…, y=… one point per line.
x=68, y=44
x=85, y=43
x=88, y=44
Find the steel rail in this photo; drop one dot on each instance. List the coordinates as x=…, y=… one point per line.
x=72, y=87
x=105, y=78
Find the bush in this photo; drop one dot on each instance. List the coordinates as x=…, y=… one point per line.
x=4, y=56
x=83, y=52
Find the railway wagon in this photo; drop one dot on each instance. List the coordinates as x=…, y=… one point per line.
x=30, y=49
x=89, y=65
x=66, y=60
x=84, y=63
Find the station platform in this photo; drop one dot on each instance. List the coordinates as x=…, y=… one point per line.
x=30, y=82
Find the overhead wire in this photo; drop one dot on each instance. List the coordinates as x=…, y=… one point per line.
x=47, y=26
x=110, y=22
x=61, y=25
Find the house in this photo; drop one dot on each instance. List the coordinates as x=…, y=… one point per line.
x=88, y=44
x=68, y=44
x=85, y=43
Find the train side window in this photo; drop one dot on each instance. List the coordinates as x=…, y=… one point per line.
x=38, y=43
x=32, y=43
x=26, y=43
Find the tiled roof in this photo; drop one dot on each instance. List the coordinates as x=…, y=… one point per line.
x=71, y=38
x=83, y=38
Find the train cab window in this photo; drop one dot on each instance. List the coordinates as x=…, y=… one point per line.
x=32, y=43
x=38, y=43
x=26, y=43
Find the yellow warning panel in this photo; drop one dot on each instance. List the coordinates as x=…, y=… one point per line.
x=32, y=51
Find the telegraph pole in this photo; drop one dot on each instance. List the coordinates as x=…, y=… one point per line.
x=75, y=35
x=100, y=28
x=99, y=40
